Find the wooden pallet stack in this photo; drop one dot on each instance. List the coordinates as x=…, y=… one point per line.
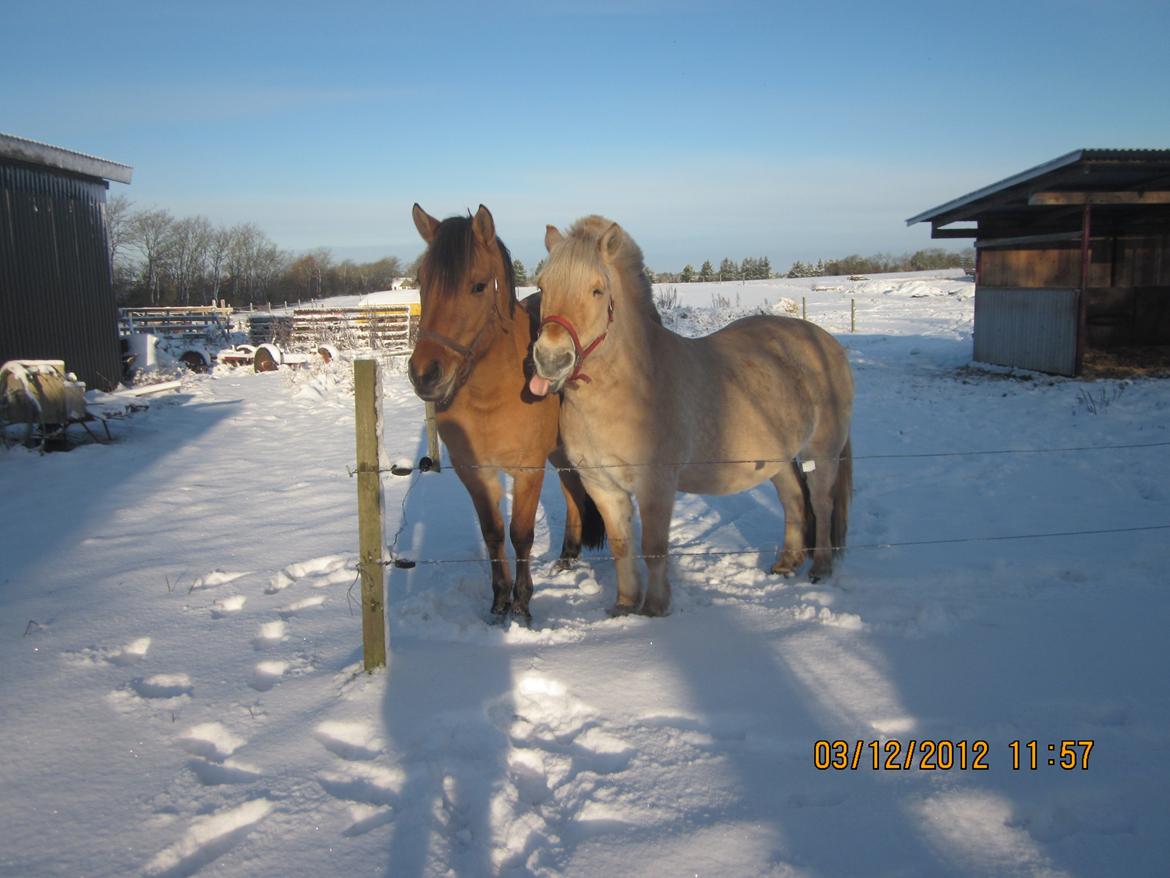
x=190, y=322
x=388, y=328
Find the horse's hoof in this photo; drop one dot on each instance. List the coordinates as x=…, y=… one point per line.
x=784, y=570
x=523, y=618
x=618, y=610
x=500, y=617
x=654, y=612
x=562, y=565
x=816, y=575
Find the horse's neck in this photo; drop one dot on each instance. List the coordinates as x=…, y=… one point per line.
x=630, y=358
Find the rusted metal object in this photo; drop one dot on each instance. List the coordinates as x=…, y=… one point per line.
x=268, y=358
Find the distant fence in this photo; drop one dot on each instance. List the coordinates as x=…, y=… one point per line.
x=176, y=322
x=385, y=328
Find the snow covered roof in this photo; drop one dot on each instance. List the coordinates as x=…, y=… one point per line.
x=32, y=152
x=389, y=297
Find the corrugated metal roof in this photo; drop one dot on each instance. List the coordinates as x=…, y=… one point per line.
x=1135, y=156
x=36, y=153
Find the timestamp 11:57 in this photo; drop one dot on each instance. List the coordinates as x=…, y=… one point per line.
x=1068, y=755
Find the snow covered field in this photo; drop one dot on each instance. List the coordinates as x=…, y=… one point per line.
x=180, y=691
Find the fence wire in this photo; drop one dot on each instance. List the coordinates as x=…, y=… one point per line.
x=907, y=455
x=408, y=563
x=694, y=551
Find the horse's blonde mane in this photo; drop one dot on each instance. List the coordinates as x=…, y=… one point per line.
x=582, y=252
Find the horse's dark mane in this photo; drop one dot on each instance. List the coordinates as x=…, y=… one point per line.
x=449, y=256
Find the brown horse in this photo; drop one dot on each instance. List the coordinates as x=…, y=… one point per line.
x=647, y=413
x=470, y=358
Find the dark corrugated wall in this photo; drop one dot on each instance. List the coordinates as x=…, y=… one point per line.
x=56, y=290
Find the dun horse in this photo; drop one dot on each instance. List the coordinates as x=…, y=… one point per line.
x=647, y=412
x=473, y=344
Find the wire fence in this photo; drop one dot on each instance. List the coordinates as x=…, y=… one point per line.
x=426, y=464
x=696, y=551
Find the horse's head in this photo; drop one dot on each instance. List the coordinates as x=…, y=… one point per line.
x=577, y=302
x=465, y=285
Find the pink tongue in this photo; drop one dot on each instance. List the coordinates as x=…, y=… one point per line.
x=539, y=386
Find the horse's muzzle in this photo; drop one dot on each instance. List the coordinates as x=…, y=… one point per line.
x=430, y=385
x=553, y=361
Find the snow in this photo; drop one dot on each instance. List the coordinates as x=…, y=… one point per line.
x=180, y=682
x=389, y=297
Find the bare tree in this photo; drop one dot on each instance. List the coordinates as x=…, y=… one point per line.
x=191, y=239
x=382, y=274
x=217, y=257
x=118, y=224
x=151, y=235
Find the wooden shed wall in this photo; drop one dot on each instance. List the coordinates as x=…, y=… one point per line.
x=1123, y=261
x=1127, y=301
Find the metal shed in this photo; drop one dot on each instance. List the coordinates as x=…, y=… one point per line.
x=56, y=287
x=1071, y=256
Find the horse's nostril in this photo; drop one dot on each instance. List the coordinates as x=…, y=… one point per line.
x=552, y=364
x=429, y=376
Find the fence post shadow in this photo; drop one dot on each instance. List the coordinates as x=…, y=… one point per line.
x=442, y=698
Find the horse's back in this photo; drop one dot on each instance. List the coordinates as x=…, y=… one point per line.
x=756, y=351
x=764, y=387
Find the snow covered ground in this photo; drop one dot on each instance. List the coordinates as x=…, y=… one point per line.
x=180, y=689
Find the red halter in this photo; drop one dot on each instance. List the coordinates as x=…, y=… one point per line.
x=582, y=353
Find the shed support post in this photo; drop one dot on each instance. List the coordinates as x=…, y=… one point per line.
x=1083, y=298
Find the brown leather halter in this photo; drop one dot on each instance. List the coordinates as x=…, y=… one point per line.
x=467, y=352
x=582, y=353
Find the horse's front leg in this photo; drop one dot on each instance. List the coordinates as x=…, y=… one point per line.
x=617, y=511
x=575, y=500
x=525, y=498
x=656, y=505
x=484, y=487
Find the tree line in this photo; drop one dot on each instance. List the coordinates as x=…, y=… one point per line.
x=760, y=268
x=931, y=259
x=160, y=259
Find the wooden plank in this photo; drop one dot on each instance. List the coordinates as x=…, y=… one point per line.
x=1043, y=199
x=967, y=232
x=1048, y=238
x=367, y=390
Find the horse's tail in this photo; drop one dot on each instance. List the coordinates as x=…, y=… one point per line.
x=592, y=525
x=842, y=492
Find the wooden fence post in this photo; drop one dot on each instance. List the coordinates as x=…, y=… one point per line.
x=852, y=316
x=432, y=436
x=367, y=392
x=803, y=308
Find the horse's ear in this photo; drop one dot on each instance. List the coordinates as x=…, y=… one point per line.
x=552, y=237
x=426, y=224
x=610, y=242
x=484, y=226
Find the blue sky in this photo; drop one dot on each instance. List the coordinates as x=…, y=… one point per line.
x=708, y=129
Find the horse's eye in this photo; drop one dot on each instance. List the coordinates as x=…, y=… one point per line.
x=598, y=294
x=478, y=288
